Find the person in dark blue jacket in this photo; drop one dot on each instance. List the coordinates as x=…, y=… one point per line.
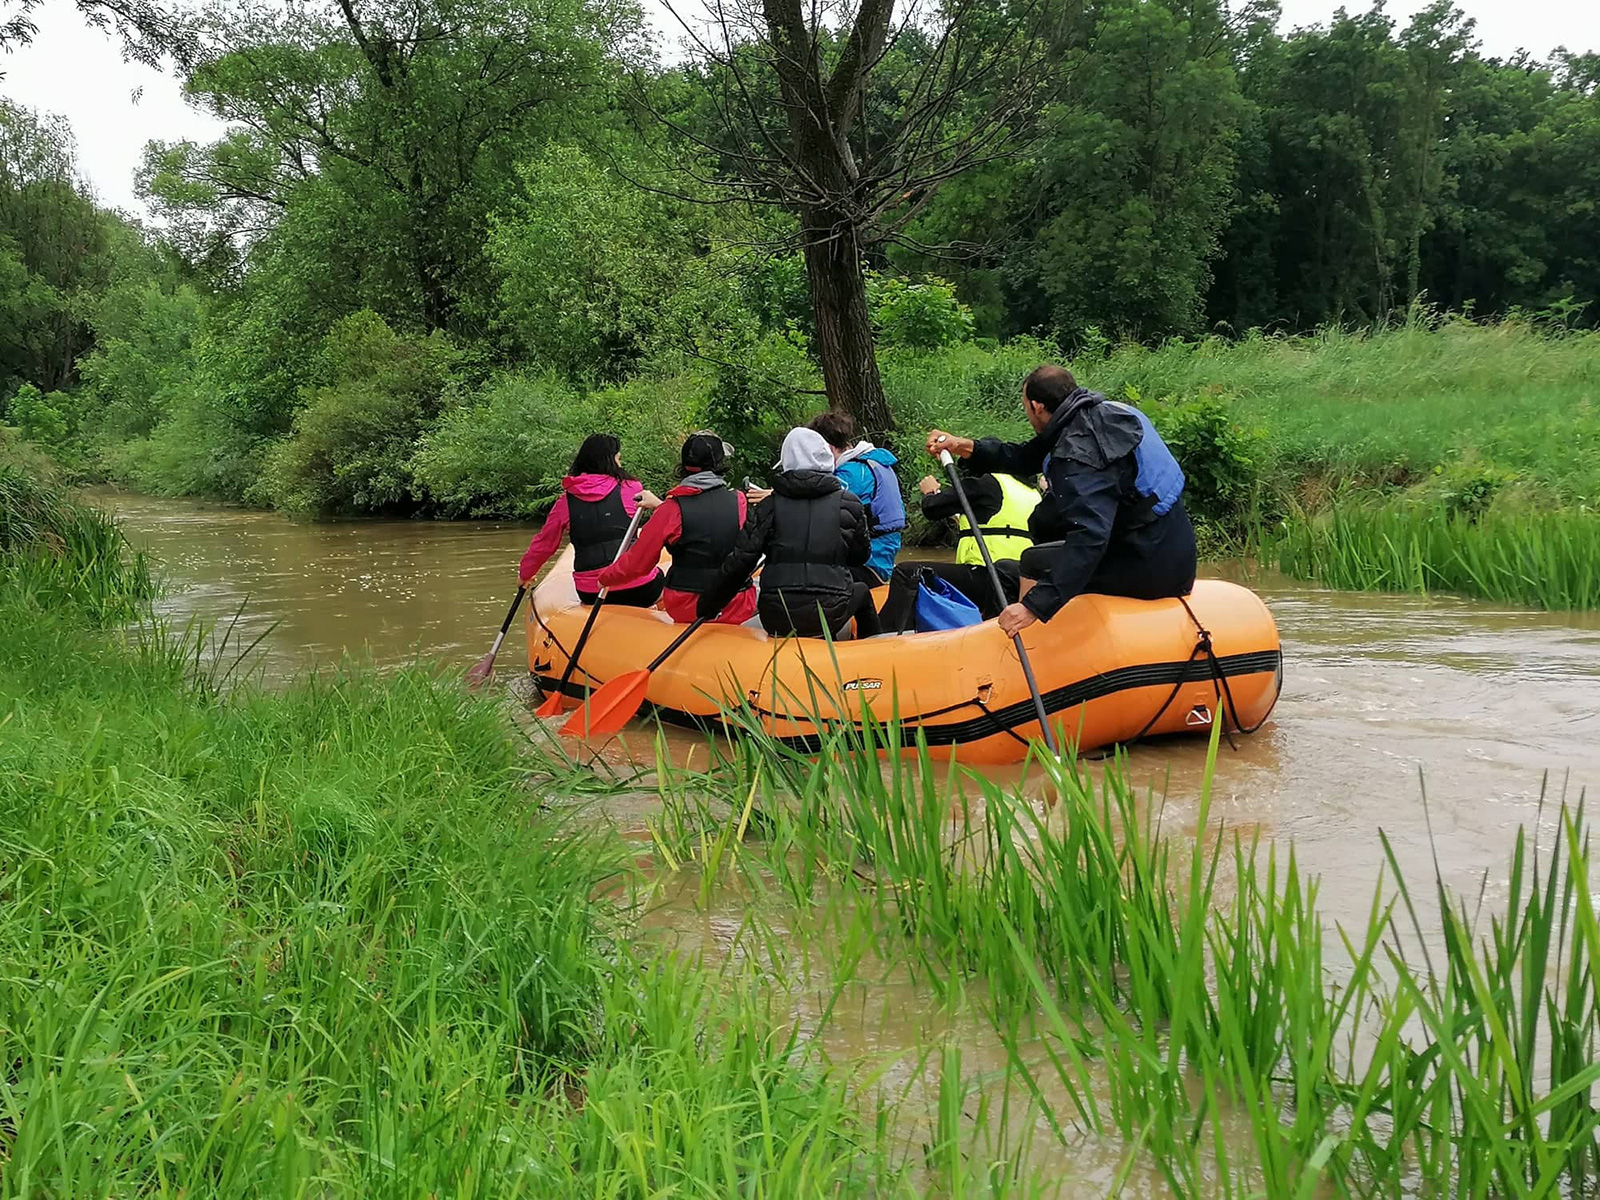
x=1111, y=520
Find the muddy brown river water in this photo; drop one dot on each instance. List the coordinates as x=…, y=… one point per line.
x=1485, y=704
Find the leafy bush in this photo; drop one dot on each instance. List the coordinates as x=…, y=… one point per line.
x=917, y=316
x=1470, y=487
x=597, y=276
x=652, y=415
x=352, y=443
x=49, y=419
x=143, y=360
x=775, y=290
x=504, y=453
x=198, y=449
x=772, y=388
x=1222, y=462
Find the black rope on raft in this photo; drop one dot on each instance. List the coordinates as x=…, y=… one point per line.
x=1183, y=678
x=1004, y=728
x=551, y=634
x=533, y=607
x=1220, y=679
x=1224, y=693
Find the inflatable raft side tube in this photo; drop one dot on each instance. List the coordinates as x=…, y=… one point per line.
x=999, y=721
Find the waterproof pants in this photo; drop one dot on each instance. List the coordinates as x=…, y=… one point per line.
x=643, y=596
x=1152, y=562
x=807, y=614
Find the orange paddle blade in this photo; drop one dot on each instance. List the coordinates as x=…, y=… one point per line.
x=610, y=708
x=555, y=704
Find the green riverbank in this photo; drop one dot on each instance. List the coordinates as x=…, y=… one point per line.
x=351, y=938
x=328, y=941
x=1438, y=455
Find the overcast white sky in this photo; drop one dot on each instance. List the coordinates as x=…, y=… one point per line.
x=78, y=72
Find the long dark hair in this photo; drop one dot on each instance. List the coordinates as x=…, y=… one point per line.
x=598, y=456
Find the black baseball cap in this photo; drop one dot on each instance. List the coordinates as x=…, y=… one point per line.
x=705, y=451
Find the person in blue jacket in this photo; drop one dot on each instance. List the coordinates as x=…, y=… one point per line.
x=867, y=472
x=1111, y=519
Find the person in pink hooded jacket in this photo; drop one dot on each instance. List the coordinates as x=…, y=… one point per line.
x=597, y=501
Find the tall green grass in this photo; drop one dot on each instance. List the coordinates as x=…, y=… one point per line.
x=1192, y=1003
x=1381, y=407
x=328, y=941
x=63, y=551
x=1545, y=559
x=1388, y=406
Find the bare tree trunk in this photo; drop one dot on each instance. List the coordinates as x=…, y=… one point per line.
x=844, y=324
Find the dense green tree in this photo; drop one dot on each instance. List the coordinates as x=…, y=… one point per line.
x=1112, y=218
x=53, y=252
x=150, y=33
x=1133, y=178
x=1346, y=165
x=396, y=125
x=596, y=276
x=353, y=438
x=1517, y=224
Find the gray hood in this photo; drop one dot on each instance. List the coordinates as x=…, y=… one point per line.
x=703, y=481
x=805, y=450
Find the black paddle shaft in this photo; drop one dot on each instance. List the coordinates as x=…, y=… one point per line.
x=699, y=621
x=676, y=642
x=1000, y=595
x=511, y=613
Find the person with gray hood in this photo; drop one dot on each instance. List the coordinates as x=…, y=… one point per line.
x=812, y=532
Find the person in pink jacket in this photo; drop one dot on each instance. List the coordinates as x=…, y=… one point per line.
x=597, y=501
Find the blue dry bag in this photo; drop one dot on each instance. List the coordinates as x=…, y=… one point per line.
x=941, y=606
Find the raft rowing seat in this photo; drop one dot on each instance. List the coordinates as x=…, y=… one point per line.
x=1110, y=670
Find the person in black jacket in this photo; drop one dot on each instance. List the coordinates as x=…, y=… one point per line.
x=1112, y=518
x=812, y=532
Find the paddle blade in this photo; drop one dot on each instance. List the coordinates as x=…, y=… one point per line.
x=610, y=708
x=480, y=672
x=555, y=704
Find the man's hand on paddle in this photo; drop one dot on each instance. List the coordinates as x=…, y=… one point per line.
x=1014, y=618
x=939, y=440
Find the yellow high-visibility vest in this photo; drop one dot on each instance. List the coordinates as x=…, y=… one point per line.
x=1006, y=534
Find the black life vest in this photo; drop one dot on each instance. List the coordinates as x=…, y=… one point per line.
x=596, y=528
x=710, y=526
x=806, y=551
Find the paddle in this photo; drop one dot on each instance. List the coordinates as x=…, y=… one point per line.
x=1000, y=594
x=556, y=703
x=484, y=667
x=616, y=702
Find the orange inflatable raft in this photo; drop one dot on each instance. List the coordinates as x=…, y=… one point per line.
x=1110, y=670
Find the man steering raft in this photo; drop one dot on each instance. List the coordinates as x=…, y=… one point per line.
x=1111, y=520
